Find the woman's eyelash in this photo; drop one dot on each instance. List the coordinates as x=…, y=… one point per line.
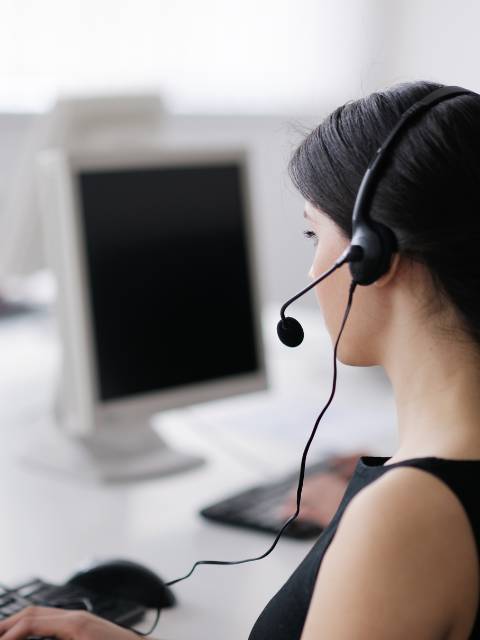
x=311, y=234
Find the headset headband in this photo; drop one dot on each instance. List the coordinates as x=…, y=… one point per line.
x=374, y=242
x=360, y=211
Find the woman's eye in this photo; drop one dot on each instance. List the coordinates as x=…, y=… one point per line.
x=311, y=234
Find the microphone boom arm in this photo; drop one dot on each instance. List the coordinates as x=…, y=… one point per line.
x=351, y=254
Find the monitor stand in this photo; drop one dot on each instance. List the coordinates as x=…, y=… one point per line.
x=110, y=454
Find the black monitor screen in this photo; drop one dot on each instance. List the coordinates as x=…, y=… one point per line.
x=168, y=276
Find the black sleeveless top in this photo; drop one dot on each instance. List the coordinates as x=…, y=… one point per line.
x=284, y=616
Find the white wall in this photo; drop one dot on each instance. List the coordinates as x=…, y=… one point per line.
x=428, y=40
x=270, y=56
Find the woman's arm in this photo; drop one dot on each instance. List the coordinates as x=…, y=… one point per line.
x=63, y=625
x=402, y=565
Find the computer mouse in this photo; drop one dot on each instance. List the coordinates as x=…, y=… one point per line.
x=126, y=580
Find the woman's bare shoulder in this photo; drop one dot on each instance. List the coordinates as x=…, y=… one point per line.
x=403, y=563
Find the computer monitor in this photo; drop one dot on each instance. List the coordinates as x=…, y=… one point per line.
x=157, y=299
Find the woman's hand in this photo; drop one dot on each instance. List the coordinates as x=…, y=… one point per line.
x=61, y=624
x=321, y=495
x=345, y=465
x=322, y=491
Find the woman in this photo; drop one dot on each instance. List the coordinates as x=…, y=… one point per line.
x=399, y=559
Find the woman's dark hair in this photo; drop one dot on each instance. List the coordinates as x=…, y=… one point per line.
x=428, y=191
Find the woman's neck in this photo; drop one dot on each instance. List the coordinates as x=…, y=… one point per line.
x=436, y=382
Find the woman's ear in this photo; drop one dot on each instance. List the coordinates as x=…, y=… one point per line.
x=387, y=277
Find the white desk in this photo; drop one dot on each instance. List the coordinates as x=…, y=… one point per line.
x=51, y=525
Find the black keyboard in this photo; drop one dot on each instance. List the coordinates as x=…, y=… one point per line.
x=37, y=592
x=258, y=507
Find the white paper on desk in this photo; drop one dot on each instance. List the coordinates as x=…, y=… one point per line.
x=272, y=429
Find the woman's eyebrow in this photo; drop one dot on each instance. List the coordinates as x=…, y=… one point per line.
x=305, y=215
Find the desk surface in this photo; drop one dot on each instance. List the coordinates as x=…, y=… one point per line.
x=51, y=525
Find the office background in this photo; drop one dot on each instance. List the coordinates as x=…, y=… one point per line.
x=283, y=65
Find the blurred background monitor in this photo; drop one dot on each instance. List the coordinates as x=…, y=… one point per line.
x=97, y=121
x=157, y=298
x=111, y=123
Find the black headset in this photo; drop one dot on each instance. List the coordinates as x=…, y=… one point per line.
x=369, y=255
x=373, y=243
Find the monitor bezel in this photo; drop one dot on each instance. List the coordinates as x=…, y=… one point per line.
x=143, y=405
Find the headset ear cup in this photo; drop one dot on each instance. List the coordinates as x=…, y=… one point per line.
x=378, y=244
x=388, y=245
